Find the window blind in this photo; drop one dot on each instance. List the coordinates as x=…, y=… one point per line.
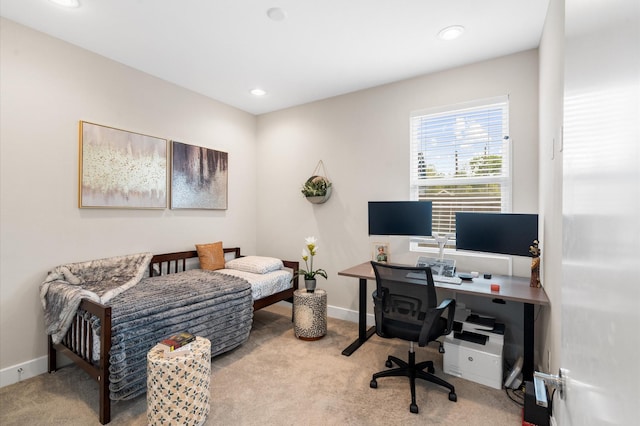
x=460, y=159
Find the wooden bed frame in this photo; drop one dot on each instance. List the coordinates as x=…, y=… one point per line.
x=77, y=345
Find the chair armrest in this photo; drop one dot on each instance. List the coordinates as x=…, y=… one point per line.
x=377, y=310
x=432, y=316
x=450, y=306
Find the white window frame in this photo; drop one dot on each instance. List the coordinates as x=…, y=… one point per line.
x=417, y=142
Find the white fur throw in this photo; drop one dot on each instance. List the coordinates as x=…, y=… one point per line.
x=98, y=280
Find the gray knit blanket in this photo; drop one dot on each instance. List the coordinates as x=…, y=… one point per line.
x=98, y=280
x=205, y=303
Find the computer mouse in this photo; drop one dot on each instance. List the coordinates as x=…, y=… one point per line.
x=465, y=276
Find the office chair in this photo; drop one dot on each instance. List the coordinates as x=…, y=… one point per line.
x=405, y=307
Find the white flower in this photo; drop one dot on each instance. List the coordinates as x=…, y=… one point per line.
x=307, y=255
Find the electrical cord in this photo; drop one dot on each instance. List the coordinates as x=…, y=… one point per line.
x=517, y=393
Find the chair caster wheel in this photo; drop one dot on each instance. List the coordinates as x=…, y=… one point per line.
x=453, y=397
x=431, y=370
x=441, y=349
x=373, y=384
x=413, y=408
x=388, y=364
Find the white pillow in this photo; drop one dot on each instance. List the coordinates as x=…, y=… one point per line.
x=255, y=264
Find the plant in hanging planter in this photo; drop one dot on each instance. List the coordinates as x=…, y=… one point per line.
x=309, y=273
x=316, y=186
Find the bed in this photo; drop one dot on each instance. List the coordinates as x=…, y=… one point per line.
x=110, y=341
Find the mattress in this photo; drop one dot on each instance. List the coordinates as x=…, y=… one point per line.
x=262, y=285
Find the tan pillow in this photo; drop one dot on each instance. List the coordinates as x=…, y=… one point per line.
x=211, y=256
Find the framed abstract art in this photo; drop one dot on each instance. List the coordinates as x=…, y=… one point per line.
x=121, y=169
x=199, y=177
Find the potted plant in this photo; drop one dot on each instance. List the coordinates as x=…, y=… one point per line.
x=309, y=273
x=317, y=189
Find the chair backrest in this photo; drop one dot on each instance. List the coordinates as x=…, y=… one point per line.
x=406, y=293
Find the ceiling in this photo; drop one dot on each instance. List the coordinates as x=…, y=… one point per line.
x=224, y=48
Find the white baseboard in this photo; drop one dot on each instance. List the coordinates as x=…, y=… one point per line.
x=35, y=367
x=23, y=371
x=341, y=313
x=348, y=315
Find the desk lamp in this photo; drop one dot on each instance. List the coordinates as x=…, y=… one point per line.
x=442, y=240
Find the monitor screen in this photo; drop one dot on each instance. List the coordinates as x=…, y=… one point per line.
x=505, y=233
x=409, y=218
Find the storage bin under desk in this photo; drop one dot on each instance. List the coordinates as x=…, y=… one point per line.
x=478, y=363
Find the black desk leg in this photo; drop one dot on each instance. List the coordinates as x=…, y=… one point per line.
x=363, y=333
x=529, y=329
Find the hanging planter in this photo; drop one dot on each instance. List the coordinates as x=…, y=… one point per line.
x=317, y=189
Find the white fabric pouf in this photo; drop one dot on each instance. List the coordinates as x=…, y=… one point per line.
x=178, y=387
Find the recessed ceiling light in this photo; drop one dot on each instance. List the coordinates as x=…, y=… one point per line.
x=276, y=14
x=66, y=3
x=258, y=92
x=451, y=33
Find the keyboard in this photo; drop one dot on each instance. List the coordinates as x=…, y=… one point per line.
x=447, y=280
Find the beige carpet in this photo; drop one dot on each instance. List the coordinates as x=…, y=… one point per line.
x=276, y=379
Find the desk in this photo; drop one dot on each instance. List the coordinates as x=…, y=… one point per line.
x=515, y=289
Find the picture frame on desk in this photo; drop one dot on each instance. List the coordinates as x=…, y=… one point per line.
x=380, y=252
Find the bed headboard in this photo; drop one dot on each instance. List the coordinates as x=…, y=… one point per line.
x=171, y=263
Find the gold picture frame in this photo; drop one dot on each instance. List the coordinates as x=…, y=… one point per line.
x=121, y=169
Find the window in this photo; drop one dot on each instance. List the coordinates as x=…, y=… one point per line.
x=460, y=160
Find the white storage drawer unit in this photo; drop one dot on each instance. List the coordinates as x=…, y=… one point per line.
x=478, y=363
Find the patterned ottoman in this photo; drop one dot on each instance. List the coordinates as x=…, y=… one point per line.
x=310, y=314
x=178, y=387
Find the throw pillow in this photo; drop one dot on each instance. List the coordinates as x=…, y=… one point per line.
x=211, y=256
x=255, y=264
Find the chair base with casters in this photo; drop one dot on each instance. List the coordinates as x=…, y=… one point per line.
x=413, y=371
x=406, y=307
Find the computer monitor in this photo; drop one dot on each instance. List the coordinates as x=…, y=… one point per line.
x=406, y=218
x=505, y=233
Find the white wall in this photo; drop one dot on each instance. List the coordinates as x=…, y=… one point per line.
x=47, y=87
x=363, y=140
